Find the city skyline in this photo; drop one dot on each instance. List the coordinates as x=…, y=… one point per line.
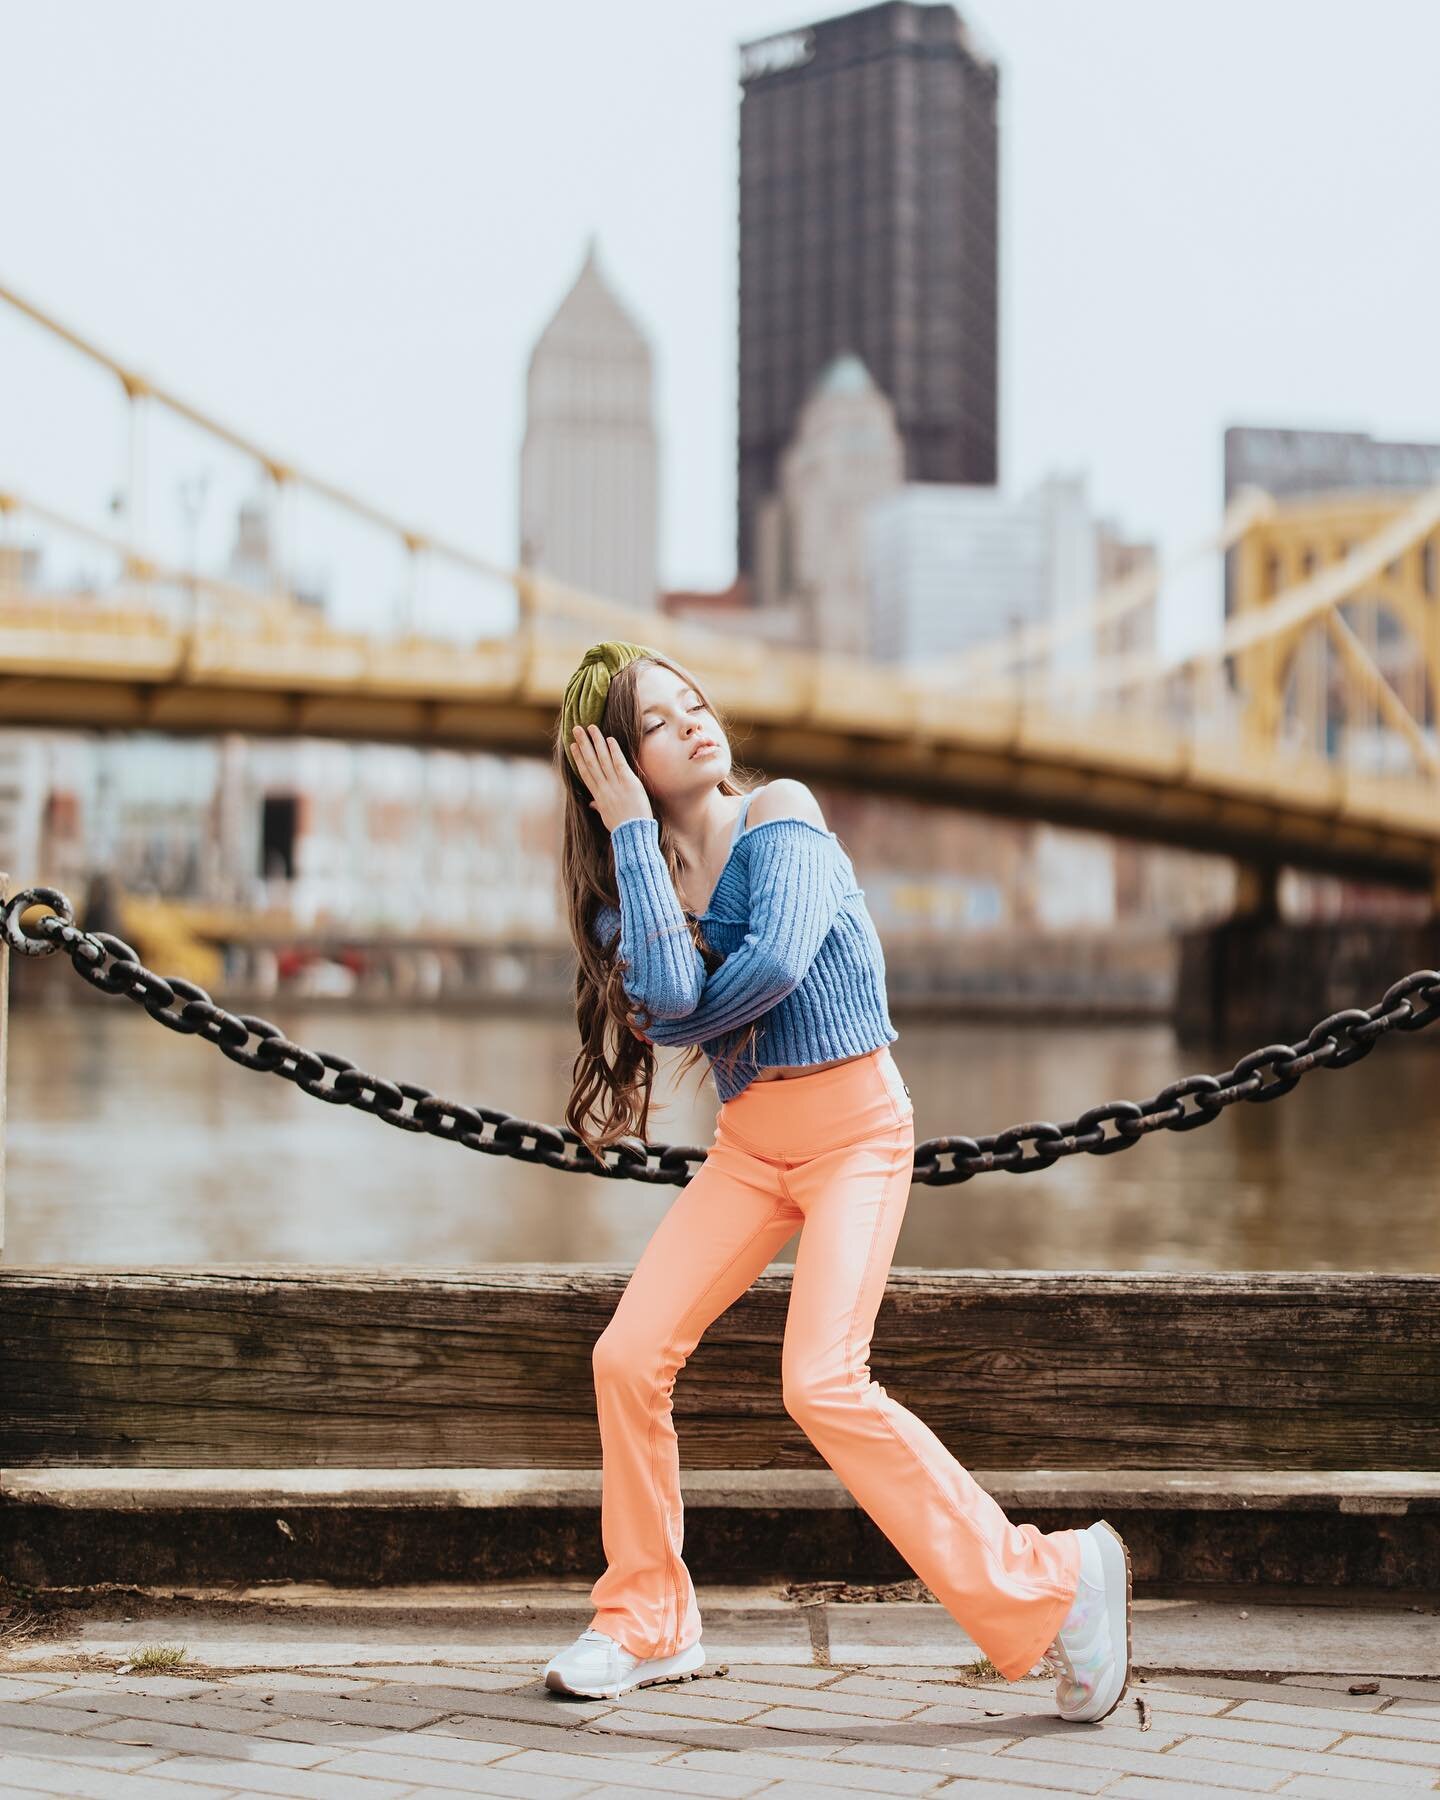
x=364, y=299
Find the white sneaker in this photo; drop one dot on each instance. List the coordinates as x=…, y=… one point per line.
x=1091, y=1652
x=600, y=1668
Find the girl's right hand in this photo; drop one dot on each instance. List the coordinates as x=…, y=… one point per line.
x=619, y=793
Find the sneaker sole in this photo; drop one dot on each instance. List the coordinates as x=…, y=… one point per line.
x=680, y=1667
x=1113, y=1554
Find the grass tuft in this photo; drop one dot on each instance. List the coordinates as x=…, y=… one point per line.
x=158, y=1656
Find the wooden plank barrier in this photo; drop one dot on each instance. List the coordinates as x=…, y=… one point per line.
x=249, y=1367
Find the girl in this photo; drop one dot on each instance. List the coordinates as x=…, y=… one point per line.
x=722, y=915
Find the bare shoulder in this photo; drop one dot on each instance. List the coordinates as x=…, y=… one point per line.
x=785, y=799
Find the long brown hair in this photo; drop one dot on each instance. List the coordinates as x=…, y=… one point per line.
x=614, y=1070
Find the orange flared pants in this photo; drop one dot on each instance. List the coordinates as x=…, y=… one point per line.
x=831, y=1153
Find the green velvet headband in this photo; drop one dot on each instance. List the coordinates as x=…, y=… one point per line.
x=587, y=688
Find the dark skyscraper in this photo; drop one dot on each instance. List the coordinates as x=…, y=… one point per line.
x=868, y=224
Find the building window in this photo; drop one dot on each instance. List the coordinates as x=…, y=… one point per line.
x=278, y=814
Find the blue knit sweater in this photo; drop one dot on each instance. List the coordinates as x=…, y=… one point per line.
x=801, y=953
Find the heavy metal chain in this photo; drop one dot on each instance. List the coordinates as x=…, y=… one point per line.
x=109, y=964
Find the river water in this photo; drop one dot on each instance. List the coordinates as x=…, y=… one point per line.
x=131, y=1145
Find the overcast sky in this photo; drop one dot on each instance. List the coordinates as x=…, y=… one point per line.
x=341, y=226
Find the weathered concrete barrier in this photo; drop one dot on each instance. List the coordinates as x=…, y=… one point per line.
x=1238, y=1427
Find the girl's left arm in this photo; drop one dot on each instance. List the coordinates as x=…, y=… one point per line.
x=798, y=884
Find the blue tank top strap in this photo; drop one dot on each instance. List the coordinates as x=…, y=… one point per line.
x=740, y=820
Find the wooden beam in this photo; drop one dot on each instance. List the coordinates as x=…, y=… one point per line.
x=273, y=1367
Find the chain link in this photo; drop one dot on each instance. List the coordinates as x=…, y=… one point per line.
x=111, y=965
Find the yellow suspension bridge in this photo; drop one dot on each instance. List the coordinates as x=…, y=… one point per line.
x=1230, y=749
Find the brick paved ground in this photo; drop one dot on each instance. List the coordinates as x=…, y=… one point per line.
x=792, y=1729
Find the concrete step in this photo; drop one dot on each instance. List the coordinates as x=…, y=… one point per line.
x=1355, y=1530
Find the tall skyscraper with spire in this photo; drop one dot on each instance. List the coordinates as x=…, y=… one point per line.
x=869, y=156
x=589, y=465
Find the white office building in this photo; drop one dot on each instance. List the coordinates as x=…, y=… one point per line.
x=953, y=567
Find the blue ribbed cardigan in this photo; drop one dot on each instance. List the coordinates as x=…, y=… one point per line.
x=801, y=952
